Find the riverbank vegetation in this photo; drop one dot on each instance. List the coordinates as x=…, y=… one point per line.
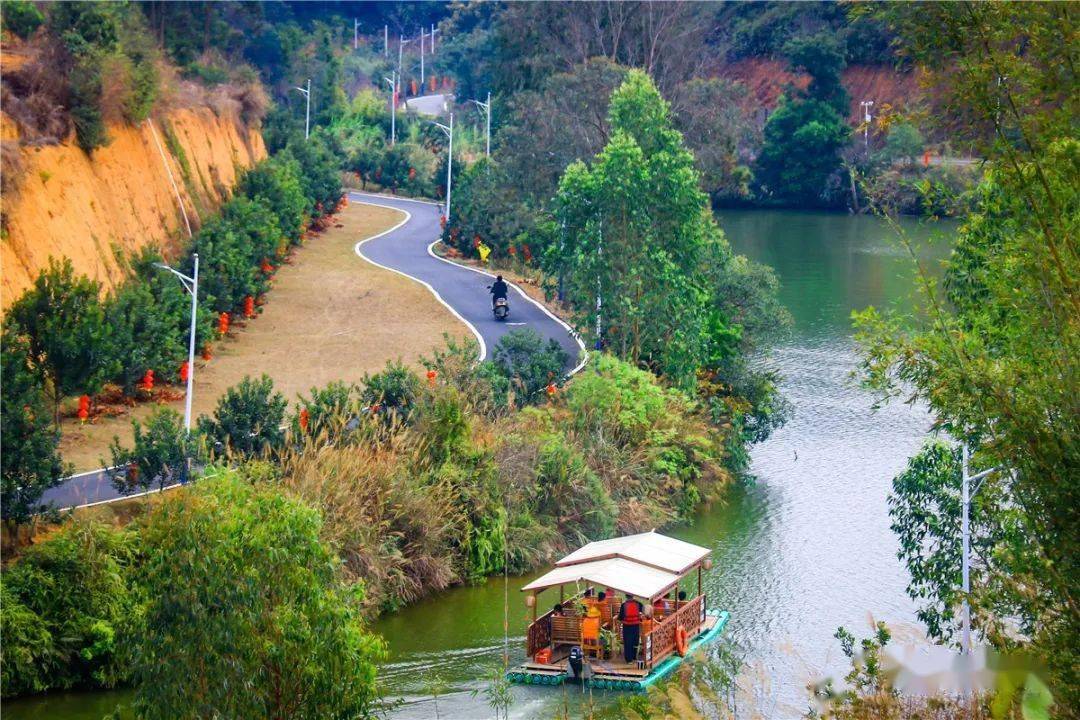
x=416, y=484
x=993, y=349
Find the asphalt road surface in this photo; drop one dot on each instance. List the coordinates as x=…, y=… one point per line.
x=404, y=249
x=428, y=104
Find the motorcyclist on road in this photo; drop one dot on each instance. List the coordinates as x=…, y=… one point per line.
x=499, y=289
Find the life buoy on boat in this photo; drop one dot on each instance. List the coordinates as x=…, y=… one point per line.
x=680, y=640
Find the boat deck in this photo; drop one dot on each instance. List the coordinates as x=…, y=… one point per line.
x=613, y=674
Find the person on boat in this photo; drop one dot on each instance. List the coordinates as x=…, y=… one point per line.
x=590, y=628
x=661, y=608
x=630, y=616
x=603, y=604
x=587, y=599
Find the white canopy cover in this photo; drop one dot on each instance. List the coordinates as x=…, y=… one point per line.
x=647, y=565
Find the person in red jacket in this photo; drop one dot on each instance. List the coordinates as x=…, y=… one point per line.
x=630, y=617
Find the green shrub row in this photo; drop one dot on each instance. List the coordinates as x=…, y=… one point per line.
x=68, y=340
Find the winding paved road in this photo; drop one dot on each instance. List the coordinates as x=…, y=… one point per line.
x=404, y=249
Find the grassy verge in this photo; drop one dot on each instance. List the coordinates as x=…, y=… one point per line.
x=330, y=316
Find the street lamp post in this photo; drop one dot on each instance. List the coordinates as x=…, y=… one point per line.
x=432, y=34
x=599, y=302
x=486, y=106
x=421, y=59
x=393, y=106
x=966, y=493
x=866, y=105
x=191, y=284
x=402, y=42
x=307, y=114
x=449, y=159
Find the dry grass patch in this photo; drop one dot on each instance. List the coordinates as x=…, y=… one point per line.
x=330, y=316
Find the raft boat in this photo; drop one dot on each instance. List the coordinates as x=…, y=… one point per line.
x=654, y=569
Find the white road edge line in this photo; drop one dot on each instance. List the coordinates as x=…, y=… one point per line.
x=524, y=295
x=431, y=252
x=433, y=291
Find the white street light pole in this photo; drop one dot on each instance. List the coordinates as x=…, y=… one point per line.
x=599, y=303
x=433, y=31
x=402, y=42
x=966, y=491
x=307, y=114
x=393, y=106
x=866, y=105
x=191, y=284
x=386, y=40
x=487, y=110
x=421, y=59
x=449, y=159
x=355, y=33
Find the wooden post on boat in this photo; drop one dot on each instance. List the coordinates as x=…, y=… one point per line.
x=699, y=579
x=533, y=606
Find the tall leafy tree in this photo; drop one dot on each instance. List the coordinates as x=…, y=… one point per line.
x=290, y=643
x=803, y=137
x=636, y=236
x=995, y=354
x=64, y=325
x=29, y=457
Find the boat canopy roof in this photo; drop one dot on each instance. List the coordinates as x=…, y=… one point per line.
x=646, y=565
x=650, y=548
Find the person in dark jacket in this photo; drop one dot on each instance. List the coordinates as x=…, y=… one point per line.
x=630, y=616
x=499, y=289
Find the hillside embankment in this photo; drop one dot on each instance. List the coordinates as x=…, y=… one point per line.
x=102, y=208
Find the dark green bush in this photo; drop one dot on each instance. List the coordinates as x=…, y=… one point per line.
x=21, y=17
x=146, y=334
x=277, y=184
x=159, y=456
x=394, y=390
x=319, y=174
x=248, y=419
x=330, y=410
x=29, y=445
x=529, y=363
x=73, y=605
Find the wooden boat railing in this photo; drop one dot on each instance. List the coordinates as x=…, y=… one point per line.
x=540, y=632
x=660, y=641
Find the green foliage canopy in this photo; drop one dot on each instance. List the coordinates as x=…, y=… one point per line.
x=291, y=643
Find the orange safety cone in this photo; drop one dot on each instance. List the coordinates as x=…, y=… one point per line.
x=249, y=307
x=84, y=408
x=223, y=324
x=184, y=372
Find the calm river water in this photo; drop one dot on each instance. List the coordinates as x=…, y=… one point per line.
x=803, y=548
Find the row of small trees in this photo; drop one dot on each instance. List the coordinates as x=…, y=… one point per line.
x=63, y=338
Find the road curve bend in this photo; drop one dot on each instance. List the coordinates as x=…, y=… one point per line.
x=407, y=249
x=404, y=249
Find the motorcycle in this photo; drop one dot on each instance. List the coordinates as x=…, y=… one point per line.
x=500, y=307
